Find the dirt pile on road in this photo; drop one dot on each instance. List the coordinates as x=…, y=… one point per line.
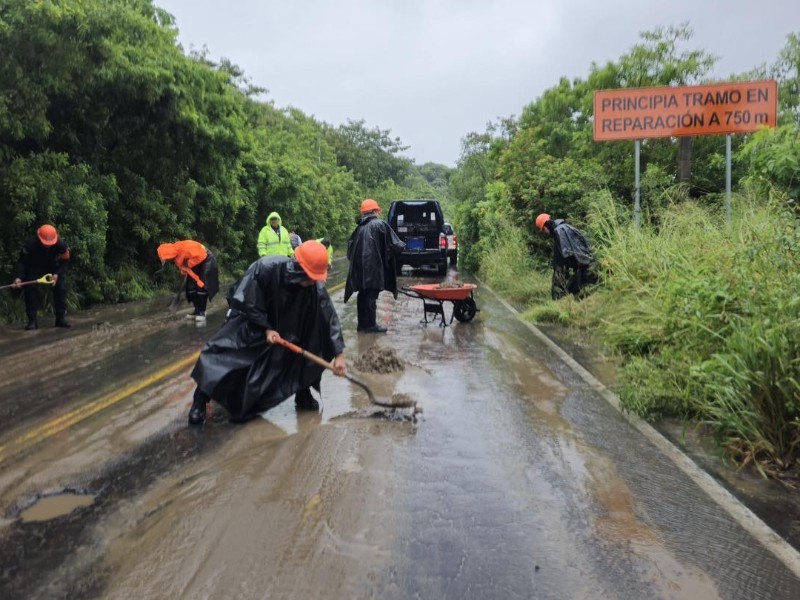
x=379, y=360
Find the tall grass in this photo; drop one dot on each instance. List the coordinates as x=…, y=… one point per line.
x=507, y=266
x=707, y=315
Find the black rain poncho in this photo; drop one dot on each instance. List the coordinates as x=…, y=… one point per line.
x=570, y=243
x=239, y=369
x=572, y=257
x=210, y=276
x=372, y=251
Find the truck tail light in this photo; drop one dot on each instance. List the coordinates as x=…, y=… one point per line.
x=455, y=241
x=442, y=242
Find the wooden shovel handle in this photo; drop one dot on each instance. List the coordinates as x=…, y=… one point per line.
x=323, y=363
x=310, y=356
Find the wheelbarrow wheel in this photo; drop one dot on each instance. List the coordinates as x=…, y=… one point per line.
x=464, y=310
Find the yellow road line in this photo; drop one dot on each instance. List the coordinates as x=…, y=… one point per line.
x=54, y=426
x=61, y=423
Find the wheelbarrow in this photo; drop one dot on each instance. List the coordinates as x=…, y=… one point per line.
x=434, y=296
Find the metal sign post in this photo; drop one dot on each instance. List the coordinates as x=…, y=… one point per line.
x=728, y=178
x=637, y=209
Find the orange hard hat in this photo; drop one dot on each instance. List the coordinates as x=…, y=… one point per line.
x=47, y=235
x=368, y=205
x=313, y=257
x=541, y=220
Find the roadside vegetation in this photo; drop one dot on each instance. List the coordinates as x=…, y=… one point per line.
x=701, y=314
x=113, y=133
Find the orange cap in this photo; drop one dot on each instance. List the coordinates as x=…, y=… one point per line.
x=368, y=205
x=541, y=220
x=47, y=235
x=313, y=257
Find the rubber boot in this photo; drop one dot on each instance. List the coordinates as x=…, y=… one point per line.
x=61, y=321
x=197, y=414
x=303, y=400
x=33, y=323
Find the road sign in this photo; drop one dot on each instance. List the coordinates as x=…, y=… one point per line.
x=724, y=108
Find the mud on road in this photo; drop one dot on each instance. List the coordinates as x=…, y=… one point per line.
x=518, y=481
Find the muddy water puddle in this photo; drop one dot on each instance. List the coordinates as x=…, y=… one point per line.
x=58, y=505
x=396, y=415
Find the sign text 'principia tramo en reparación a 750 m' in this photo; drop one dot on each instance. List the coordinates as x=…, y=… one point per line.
x=641, y=113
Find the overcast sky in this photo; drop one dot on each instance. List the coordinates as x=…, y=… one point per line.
x=432, y=71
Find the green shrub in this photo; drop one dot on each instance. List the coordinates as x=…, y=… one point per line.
x=549, y=312
x=507, y=267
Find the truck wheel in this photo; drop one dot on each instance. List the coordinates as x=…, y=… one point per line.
x=453, y=260
x=443, y=267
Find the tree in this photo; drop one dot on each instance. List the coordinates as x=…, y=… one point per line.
x=787, y=71
x=372, y=155
x=659, y=61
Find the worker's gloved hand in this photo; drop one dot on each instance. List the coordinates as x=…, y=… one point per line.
x=340, y=366
x=272, y=336
x=52, y=279
x=17, y=282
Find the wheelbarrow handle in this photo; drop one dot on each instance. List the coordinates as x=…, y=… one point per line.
x=407, y=291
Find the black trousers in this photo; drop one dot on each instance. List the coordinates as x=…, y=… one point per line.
x=195, y=294
x=32, y=296
x=367, y=305
x=570, y=280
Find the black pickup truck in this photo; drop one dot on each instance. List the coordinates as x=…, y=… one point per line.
x=420, y=224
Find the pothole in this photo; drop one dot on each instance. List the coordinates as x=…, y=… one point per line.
x=58, y=505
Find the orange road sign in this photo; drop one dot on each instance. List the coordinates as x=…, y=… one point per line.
x=641, y=113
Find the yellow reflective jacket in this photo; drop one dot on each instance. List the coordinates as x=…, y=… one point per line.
x=274, y=243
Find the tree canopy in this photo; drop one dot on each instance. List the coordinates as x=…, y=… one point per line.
x=545, y=160
x=111, y=132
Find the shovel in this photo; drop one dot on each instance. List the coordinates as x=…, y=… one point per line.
x=45, y=279
x=176, y=301
x=323, y=363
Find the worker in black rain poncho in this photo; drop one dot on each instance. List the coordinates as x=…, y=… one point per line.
x=372, y=251
x=572, y=257
x=241, y=367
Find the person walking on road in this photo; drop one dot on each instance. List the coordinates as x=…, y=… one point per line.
x=372, y=251
x=572, y=257
x=43, y=254
x=198, y=264
x=274, y=239
x=278, y=297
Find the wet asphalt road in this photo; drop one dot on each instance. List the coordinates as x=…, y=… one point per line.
x=518, y=481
